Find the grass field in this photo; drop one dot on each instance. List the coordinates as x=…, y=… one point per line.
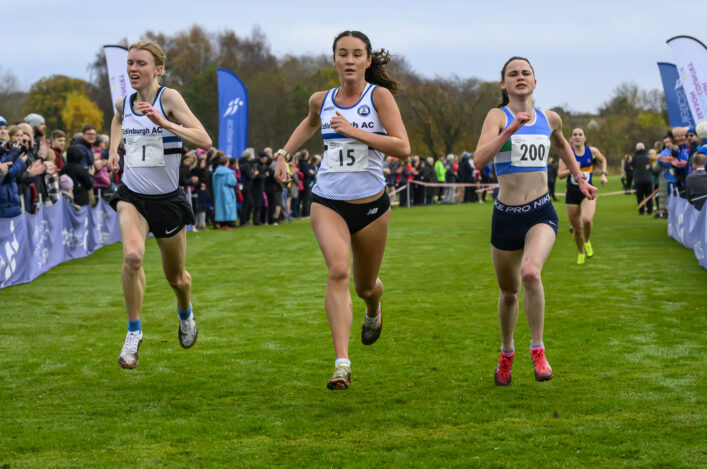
x=625, y=334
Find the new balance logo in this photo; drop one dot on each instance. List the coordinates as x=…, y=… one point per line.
x=372, y=211
x=233, y=106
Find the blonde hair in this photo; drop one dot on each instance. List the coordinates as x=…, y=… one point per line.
x=154, y=49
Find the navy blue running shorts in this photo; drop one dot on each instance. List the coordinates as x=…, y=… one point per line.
x=510, y=223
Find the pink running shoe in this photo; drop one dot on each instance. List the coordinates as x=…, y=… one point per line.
x=502, y=377
x=543, y=372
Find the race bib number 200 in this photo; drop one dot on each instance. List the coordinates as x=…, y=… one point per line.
x=529, y=150
x=345, y=157
x=146, y=151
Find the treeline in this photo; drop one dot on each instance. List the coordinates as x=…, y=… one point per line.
x=442, y=115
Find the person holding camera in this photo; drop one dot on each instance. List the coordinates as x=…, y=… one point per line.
x=13, y=158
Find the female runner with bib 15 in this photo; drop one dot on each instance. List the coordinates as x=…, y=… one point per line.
x=152, y=123
x=360, y=123
x=580, y=209
x=524, y=224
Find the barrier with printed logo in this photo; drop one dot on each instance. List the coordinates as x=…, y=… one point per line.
x=688, y=226
x=31, y=244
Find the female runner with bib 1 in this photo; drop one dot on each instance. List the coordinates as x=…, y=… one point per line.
x=360, y=123
x=149, y=198
x=524, y=225
x=580, y=210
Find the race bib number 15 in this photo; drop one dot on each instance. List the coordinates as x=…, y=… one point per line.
x=144, y=151
x=345, y=157
x=529, y=150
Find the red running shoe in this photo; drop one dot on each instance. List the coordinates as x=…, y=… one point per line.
x=543, y=372
x=502, y=377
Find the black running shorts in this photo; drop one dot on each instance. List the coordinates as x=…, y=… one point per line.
x=573, y=196
x=166, y=214
x=356, y=216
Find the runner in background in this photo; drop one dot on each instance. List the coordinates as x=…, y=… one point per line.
x=580, y=209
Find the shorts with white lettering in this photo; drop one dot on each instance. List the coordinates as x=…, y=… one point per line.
x=510, y=223
x=166, y=214
x=356, y=216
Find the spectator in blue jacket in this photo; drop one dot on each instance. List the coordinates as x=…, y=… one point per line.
x=224, y=183
x=12, y=164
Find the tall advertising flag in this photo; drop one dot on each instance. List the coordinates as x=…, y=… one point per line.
x=233, y=113
x=691, y=59
x=675, y=97
x=117, y=64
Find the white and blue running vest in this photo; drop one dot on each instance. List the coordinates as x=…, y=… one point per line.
x=350, y=170
x=153, y=154
x=528, y=149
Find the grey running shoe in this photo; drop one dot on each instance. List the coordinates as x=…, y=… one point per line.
x=341, y=379
x=371, y=330
x=187, y=331
x=128, y=355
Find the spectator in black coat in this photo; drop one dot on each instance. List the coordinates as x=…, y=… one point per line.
x=642, y=180
x=696, y=182
x=246, y=164
x=82, y=177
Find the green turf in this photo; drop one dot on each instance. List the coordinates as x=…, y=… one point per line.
x=624, y=334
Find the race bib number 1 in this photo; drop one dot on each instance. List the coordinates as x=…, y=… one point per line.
x=529, y=150
x=345, y=157
x=145, y=151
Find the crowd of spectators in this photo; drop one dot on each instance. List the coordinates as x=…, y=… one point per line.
x=674, y=166
x=36, y=168
x=433, y=181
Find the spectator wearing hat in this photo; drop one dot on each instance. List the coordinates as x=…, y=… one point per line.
x=38, y=126
x=81, y=177
x=4, y=135
x=696, y=182
x=693, y=142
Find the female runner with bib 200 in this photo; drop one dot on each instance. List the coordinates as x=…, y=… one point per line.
x=524, y=225
x=580, y=209
x=149, y=198
x=360, y=123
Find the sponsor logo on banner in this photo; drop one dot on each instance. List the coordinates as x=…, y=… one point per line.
x=233, y=107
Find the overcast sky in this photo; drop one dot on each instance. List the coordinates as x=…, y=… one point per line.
x=581, y=50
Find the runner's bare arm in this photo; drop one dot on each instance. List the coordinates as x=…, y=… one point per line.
x=493, y=136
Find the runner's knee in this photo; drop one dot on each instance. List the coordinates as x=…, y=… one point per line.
x=530, y=275
x=508, y=297
x=339, y=272
x=132, y=260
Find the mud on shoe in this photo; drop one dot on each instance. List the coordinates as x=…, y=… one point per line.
x=371, y=329
x=341, y=379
